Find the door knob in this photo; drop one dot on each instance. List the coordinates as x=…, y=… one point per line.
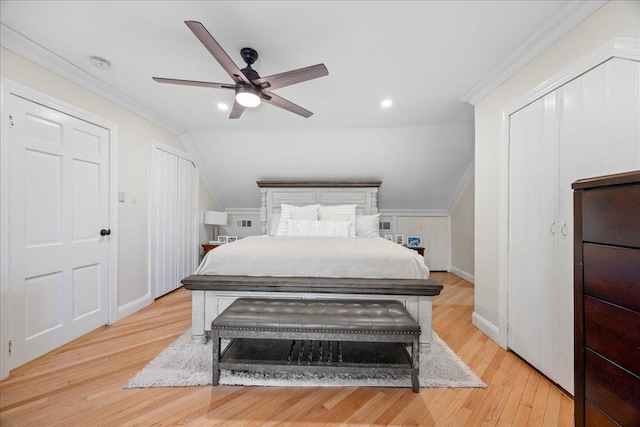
x=104, y=232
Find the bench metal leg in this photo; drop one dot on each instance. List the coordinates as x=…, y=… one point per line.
x=415, y=360
x=215, y=338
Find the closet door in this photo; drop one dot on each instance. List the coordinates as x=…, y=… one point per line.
x=599, y=136
x=165, y=230
x=186, y=245
x=532, y=231
x=588, y=127
x=175, y=207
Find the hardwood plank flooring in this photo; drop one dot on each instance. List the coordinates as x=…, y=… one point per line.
x=80, y=384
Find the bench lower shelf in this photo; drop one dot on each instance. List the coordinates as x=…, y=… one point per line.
x=306, y=356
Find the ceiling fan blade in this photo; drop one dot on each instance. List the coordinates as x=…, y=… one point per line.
x=280, y=102
x=236, y=111
x=216, y=50
x=292, y=77
x=194, y=83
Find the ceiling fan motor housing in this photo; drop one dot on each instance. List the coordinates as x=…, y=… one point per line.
x=249, y=56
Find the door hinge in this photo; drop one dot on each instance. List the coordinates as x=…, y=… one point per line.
x=10, y=346
x=10, y=121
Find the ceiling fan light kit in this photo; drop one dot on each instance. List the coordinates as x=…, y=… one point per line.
x=248, y=96
x=250, y=88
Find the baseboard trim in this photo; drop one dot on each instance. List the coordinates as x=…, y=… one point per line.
x=463, y=274
x=130, y=308
x=488, y=328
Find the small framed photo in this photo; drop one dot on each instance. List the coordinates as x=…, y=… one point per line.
x=231, y=239
x=389, y=237
x=222, y=239
x=414, y=242
x=400, y=239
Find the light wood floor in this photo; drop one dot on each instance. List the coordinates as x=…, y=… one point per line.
x=81, y=383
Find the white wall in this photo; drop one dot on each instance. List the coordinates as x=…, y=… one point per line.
x=615, y=19
x=462, y=235
x=134, y=142
x=420, y=167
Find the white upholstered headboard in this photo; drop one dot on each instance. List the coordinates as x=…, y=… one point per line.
x=274, y=193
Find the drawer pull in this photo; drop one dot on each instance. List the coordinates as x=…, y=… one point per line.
x=552, y=227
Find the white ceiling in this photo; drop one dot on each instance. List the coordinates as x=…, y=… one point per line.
x=425, y=56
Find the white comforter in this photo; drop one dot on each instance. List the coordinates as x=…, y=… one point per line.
x=345, y=257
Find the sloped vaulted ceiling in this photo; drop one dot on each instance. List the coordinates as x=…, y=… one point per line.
x=424, y=56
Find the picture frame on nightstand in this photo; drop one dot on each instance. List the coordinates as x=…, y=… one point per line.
x=231, y=239
x=414, y=241
x=400, y=239
x=389, y=237
x=222, y=239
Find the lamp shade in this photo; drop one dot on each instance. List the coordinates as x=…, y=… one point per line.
x=215, y=218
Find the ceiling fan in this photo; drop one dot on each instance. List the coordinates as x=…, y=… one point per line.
x=250, y=88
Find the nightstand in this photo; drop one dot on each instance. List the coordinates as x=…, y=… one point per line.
x=208, y=246
x=418, y=249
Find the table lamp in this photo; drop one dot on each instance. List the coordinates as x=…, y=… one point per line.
x=215, y=218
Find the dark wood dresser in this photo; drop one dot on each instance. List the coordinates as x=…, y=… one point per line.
x=607, y=300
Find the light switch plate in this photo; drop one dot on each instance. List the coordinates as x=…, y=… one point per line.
x=121, y=196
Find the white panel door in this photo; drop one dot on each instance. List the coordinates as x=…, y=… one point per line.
x=59, y=193
x=532, y=231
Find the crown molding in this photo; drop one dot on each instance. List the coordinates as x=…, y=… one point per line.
x=618, y=47
x=553, y=30
x=17, y=43
x=462, y=186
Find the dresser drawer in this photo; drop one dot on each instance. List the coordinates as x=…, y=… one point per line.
x=612, y=274
x=594, y=417
x=610, y=215
x=612, y=389
x=614, y=332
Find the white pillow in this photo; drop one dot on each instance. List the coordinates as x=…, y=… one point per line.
x=368, y=225
x=285, y=215
x=318, y=228
x=342, y=209
x=334, y=216
x=274, y=220
x=304, y=215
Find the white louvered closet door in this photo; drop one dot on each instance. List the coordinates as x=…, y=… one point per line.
x=174, y=193
x=588, y=127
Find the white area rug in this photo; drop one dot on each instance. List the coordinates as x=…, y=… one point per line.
x=185, y=364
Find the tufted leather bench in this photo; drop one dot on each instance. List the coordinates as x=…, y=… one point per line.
x=384, y=324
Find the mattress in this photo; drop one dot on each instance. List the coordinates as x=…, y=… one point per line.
x=334, y=257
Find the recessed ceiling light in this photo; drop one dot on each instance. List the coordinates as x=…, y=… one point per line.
x=99, y=63
x=223, y=107
x=386, y=103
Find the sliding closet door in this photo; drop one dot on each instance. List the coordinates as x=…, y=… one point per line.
x=175, y=207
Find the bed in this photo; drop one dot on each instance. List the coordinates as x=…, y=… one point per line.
x=332, y=264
